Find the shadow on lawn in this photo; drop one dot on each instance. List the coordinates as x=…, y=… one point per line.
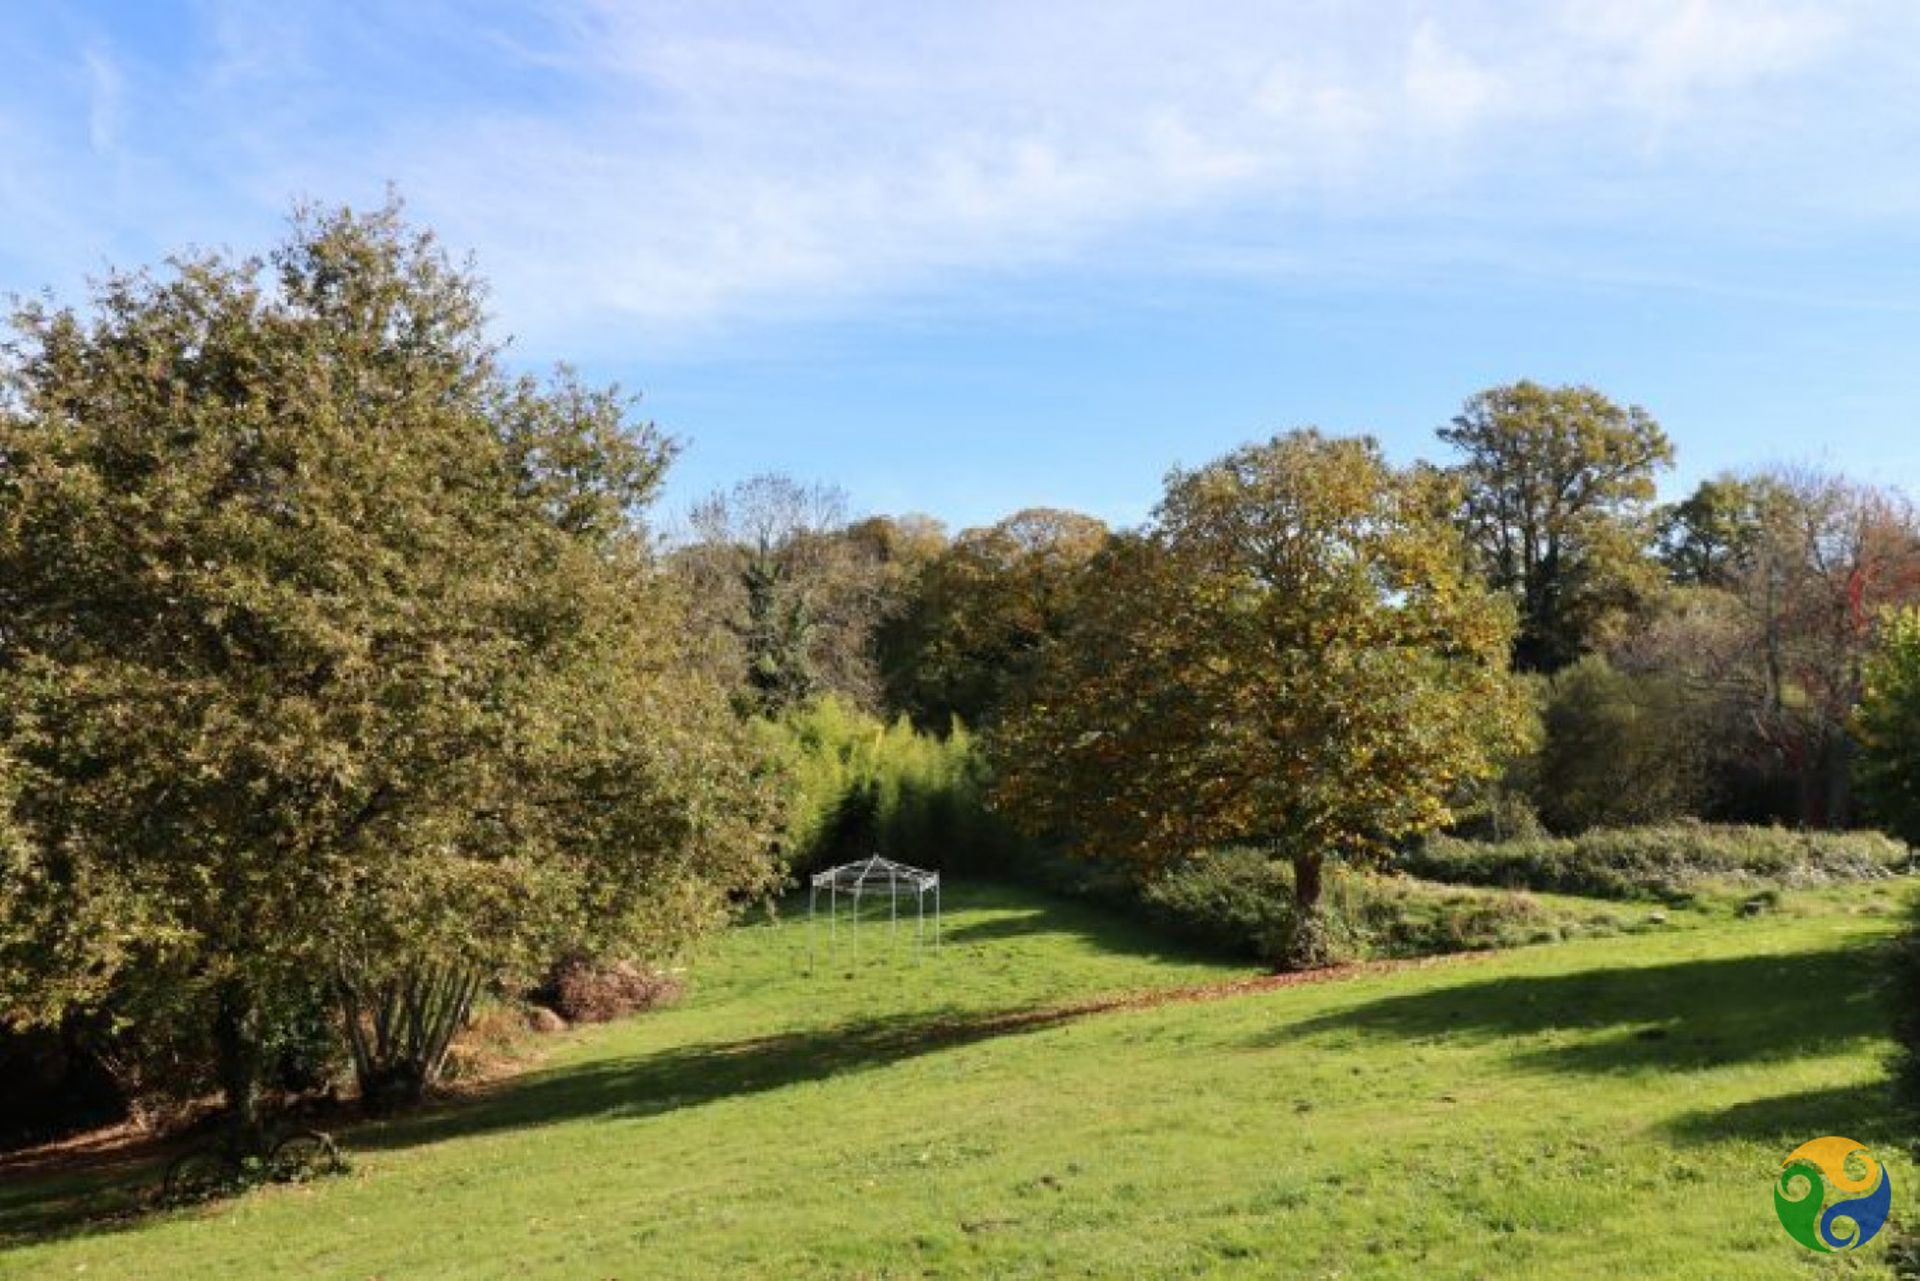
x=1679, y=1017
x=89, y=1203
x=691, y=1075
x=102, y=1197
x=1783, y=1122
x=687, y=1076
x=1021, y=926
x=993, y=911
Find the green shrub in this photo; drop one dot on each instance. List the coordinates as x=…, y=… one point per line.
x=862, y=786
x=1409, y=917
x=1237, y=902
x=1889, y=768
x=1240, y=903
x=1622, y=748
x=1668, y=862
x=1500, y=812
x=1889, y=759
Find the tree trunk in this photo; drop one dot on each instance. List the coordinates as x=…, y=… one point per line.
x=1840, y=766
x=1309, y=946
x=239, y=1060
x=1306, y=882
x=401, y=1031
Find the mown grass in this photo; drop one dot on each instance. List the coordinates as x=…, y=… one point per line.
x=1602, y=1106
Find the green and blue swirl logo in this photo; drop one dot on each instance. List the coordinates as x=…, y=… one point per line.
x=1832, y=1196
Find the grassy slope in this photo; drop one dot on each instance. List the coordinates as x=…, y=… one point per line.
x=1604, y=1106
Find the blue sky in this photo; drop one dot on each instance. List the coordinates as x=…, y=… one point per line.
x=967, y=258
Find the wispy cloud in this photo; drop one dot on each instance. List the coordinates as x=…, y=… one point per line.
x=103, y=99
x=667, y=168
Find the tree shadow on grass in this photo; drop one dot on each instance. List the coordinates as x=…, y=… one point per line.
x=681, y=1077
x=986, y=911
x=1679, y=1017
x=111, y=1196
x=1784, y=1121
x=1023, y=925
x=90, y=1202
x=693, y=1075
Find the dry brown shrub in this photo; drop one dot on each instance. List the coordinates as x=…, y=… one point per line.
x=585, y=993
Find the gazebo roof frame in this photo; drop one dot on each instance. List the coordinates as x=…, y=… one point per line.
x=875, y=874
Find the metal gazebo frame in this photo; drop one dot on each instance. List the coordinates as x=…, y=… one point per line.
x=873, y=876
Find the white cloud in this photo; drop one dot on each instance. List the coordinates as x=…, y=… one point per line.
x=1448, y=91
x=103, y=99
x=1667, y=50
x=837, y=153
x=664, y=168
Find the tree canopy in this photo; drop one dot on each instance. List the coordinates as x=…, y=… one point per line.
x=1294, y=654
x=1705, y=538
x=982, y=610
x=1556, y=483
x=788, y=594
x=336, y=656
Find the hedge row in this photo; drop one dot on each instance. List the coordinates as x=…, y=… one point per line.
x=1668, y=861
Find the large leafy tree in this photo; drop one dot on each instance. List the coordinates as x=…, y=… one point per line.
x=1887, y=724
x=787, y=593
x=1623, y=746
x=1557, y=481
x=1295, y=654
x=1758, y=643
x=1706, y=537
x=336, y=658
x=982, y=611
x=1824, y=558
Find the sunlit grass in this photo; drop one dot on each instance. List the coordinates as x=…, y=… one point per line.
x=1609, y=1106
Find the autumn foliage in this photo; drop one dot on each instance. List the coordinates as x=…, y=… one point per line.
x=1293, y=655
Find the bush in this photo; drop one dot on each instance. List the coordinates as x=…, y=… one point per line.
x=1500, y=812
x=1622, y=748
x=1667, y=862
x=862, y=786
x=1240, y=903
x=146, y=1054
x=581, y=992
x=1236, y=901
x=1889, y=762
x=1401, y=916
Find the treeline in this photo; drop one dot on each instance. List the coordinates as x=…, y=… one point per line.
x=1145, y=693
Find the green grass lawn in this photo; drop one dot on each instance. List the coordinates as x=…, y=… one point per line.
x=1608, y=1106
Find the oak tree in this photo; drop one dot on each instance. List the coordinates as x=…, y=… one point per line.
x=1295, y=654
x=1557, y=481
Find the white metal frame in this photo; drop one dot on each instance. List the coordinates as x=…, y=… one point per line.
x=872, y=877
